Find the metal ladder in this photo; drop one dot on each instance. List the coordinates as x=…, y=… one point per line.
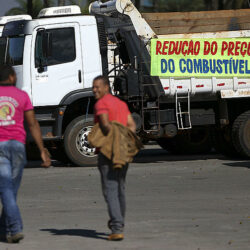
x=180, y=113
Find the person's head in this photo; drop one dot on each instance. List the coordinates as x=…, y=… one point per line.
x=7, y=75
x=100, y=87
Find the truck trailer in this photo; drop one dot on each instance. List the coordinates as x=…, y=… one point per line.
x=57, y=56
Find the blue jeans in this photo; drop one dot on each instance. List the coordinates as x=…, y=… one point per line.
x=12, y=162
x=113, y=188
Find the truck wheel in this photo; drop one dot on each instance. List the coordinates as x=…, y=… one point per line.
x=76, y=144
x=168, y=144
x=222, y=142
x=241, y=134
x=194, y=141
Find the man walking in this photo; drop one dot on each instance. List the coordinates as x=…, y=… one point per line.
x=15, y=105
x=109, y=108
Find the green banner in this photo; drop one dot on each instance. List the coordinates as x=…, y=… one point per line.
x=200, y=57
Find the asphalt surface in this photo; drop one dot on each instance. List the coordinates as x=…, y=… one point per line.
x=199, y=202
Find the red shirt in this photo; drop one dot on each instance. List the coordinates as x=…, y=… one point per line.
x=13, y=103
x=116, y=109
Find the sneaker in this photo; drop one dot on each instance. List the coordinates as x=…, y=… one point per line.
x=116, y=237
x=14, y=238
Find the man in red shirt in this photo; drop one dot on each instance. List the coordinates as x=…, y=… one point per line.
x=110, y=108
x=15, y=106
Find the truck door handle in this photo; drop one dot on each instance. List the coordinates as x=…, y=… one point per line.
x=79, y=76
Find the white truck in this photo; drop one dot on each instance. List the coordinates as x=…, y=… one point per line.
x=57, y=55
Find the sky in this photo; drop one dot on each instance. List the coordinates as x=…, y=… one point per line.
x=6, y=5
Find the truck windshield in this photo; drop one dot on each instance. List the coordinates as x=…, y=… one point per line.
x=11, y=50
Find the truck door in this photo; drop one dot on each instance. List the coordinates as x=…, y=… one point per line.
x=56, y=63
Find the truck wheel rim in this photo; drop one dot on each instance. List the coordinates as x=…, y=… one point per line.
x=82, y=143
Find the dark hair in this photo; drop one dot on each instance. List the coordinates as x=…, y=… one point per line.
x=5, y=72
x=104, y=79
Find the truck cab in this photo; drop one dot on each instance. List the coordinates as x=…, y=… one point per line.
x=56, y=57
x=53, y=56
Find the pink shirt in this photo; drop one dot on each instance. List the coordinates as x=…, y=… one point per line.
x=116, y=109
x=13, y=103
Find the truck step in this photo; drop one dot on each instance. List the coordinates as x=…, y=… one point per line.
x=183, y=97
x=44, y=118
x=182, y=113
x=148, y=108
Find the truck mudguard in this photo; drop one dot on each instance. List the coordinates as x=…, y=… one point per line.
x=75, y=95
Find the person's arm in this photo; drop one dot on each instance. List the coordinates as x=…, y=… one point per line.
x=104, y=123
x=36, y=134
x=131, y=124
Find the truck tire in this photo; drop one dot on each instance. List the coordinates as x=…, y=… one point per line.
x=241, y=134
x=76, y=144
x=168, y=144
x=222, y=142
x=194, y=141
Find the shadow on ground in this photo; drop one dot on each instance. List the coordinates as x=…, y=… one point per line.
x=154, y=155
x=239, y=164
x=37, y=164
x=55, y=163
x=77, y=232
x=158, y=155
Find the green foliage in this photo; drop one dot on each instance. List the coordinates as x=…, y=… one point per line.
x=194, y=5
x=179, y=5
x=22, y=8
x=235, y=4
x=84, y=8
x=158, y=5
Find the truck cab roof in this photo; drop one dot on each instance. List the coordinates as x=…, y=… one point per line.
x=26, y=27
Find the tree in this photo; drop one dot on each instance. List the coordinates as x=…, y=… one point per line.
x=225, y=4
x=211, y=4
x=178, y=5
x=37, y=5
x=194, y=5
x=46, y=3
x=30, y=7
x=137, y=4
x=85, y=7
x=61, y=2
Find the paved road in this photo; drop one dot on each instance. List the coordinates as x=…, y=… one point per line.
x=174, y=203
